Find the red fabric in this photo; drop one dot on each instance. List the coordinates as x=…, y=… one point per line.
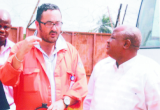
x=31, y=84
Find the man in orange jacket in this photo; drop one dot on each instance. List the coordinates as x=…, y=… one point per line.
x=45, y=69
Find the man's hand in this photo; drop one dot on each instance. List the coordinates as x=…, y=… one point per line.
x=28, y=43
x=58, y=105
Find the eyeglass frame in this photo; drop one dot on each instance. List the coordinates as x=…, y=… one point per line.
x=53, y=24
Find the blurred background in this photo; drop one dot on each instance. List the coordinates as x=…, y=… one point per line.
x=77, y=15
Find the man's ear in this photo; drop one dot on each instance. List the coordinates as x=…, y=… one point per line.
x=37, y=25
x=127, y=44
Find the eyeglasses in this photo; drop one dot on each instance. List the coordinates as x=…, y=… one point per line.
x=51, y=24
x=5, y=27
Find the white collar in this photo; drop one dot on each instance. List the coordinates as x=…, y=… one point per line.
x=60, y=44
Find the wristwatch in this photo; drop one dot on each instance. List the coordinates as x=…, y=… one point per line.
x=66, y=101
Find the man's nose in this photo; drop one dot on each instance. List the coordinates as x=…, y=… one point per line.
x=2, y=29
x=53, y=27
x=108, y=40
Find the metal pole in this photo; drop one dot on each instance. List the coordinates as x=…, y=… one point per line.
x=118, y=15
x=139, y=14
x=33, y=14
x=124, y=13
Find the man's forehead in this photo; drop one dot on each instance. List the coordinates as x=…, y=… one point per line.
x=119, y=29
x=4, y=17
x=116, y=31
x=51, y=15
x=117, y=34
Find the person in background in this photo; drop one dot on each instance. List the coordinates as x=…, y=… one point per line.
x=6, y=92
x=126, y=80
x=45, y=70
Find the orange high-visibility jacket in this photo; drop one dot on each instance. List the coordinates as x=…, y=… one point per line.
x=31, y=84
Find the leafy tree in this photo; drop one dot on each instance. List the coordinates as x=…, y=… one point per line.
x=104, y=25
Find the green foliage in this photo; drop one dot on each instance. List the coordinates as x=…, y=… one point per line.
x=24, y=36
x=105, y=25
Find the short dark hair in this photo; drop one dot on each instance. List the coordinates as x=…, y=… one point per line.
x=45, y=7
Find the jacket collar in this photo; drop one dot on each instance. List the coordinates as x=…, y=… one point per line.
x=61, y=47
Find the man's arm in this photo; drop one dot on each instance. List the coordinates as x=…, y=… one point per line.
x=28, y=43
x=152, y=90
x=78, y=90
x=10, y=71
x=59, y=105
x=9, y=75
x=87, y=100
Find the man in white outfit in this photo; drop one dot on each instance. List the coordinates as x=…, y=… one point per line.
x=127, y=80
x=6, y=92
